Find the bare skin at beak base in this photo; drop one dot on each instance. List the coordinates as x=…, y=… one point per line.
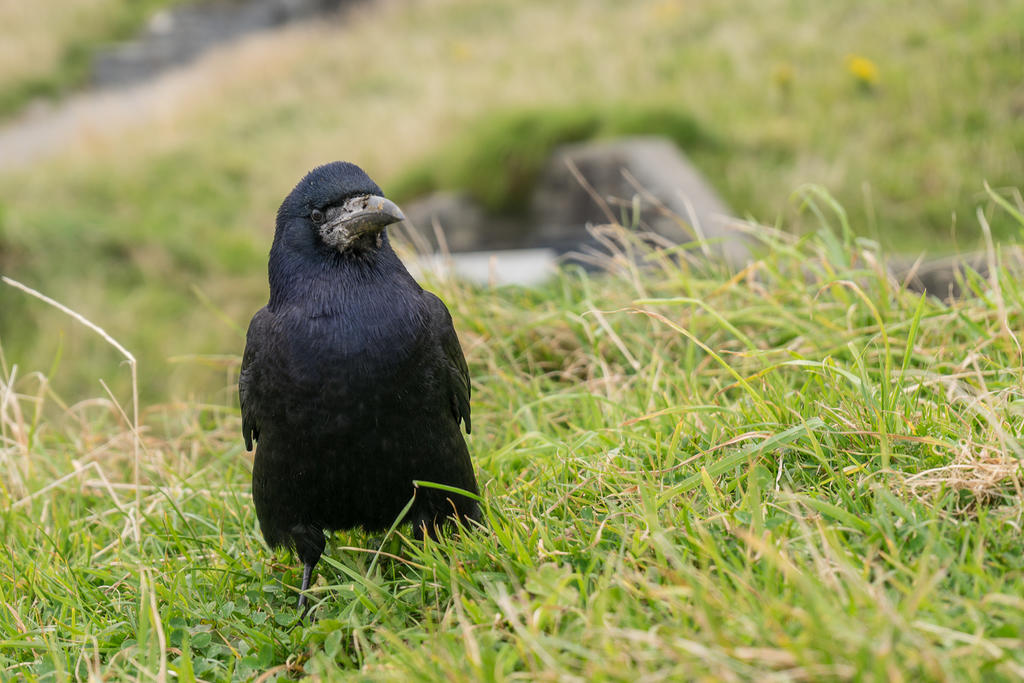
x=343, y=225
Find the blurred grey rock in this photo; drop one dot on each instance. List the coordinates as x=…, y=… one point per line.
x=943, y=277
x=524, y=267
x=465, y=225
x=646, y=174
x=632, y=173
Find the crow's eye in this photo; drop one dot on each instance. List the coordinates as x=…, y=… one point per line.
x=317, y=216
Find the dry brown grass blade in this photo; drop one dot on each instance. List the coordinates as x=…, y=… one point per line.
x=132, y=364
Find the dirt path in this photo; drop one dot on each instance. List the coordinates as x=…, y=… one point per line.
x=46, y=131
x=140, y=80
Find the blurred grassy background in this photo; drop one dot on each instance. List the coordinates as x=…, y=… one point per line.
x=159, y=230
x=48, y=47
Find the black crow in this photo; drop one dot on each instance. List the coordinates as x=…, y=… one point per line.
x=353, y=382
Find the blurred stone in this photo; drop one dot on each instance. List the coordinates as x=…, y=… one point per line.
x=689, y=208
x=523, y=267
x=463, y=222
x=942, y=277
x=669, y=198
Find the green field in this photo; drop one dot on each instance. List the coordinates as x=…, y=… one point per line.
x=801, y=471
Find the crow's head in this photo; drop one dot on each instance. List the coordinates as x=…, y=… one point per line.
x=336, y=207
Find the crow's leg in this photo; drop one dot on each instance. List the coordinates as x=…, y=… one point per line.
x=307, y=574
x=309, y=546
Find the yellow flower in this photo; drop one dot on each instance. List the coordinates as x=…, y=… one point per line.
x=461, y=52
x=863, y=70
x=668, y=9
x=782, y=76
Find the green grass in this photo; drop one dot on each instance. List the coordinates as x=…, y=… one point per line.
x=800, y=472
x=136, y=249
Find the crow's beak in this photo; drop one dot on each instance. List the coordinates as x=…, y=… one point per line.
x=358, y=216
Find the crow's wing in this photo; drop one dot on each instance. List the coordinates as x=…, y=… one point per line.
x=455, y=361
x=248, y=379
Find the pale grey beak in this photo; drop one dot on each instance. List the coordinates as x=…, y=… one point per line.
x=356, y=217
